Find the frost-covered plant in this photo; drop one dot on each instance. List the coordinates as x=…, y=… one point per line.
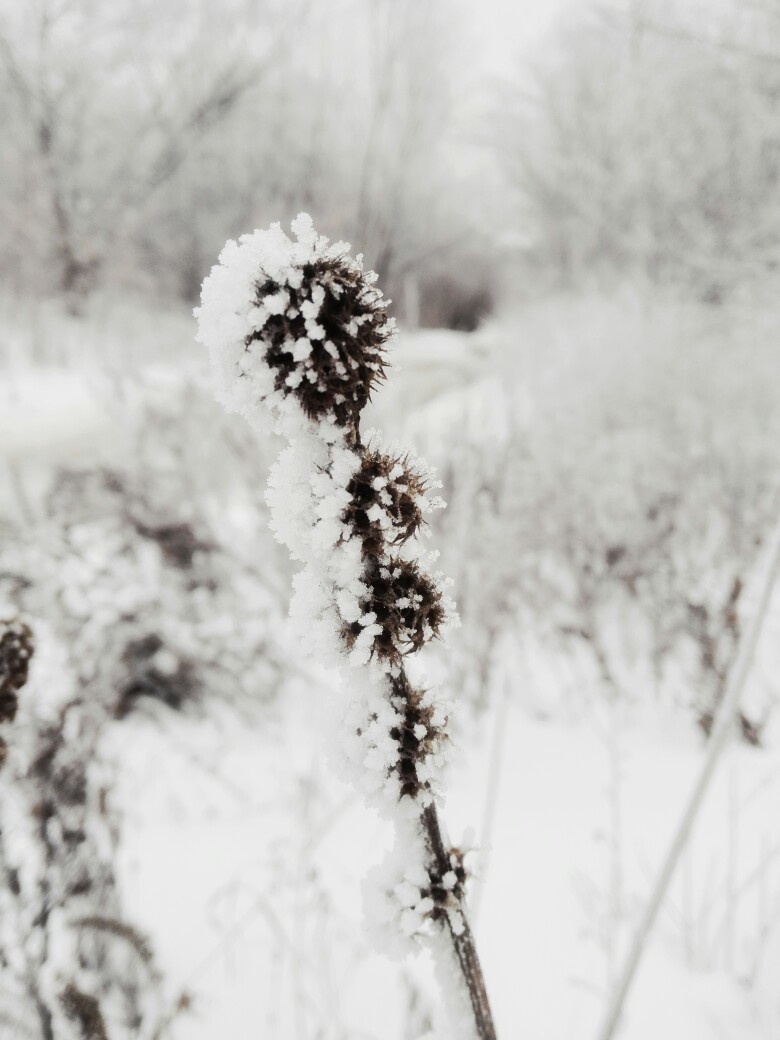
x=73, y=959
x=139, y=591
x=72, y=966
x=131, y=601
x=297, y=334
x=16, y=650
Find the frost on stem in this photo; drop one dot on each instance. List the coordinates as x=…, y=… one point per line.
x=408, y=899
x=395, y=746
x=297, y=334
x=84, y=1011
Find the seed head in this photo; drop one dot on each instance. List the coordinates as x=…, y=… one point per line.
x=407, y=605
x=386, y=499
x=325, y=347
x=16, y=650
x=296, y=320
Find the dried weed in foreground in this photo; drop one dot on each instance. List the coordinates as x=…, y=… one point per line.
x=297, y=334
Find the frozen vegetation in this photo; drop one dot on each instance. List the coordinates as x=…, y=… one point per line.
x=249, y=664
x=584, y=673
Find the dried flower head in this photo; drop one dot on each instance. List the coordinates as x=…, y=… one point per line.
x=404, y=606
x=294, y=319
x=150, y=669
x=326, y=343
x=386, y=501
x=16, y=650
x=299, y=327
x=177, y=541
x=84, y=1011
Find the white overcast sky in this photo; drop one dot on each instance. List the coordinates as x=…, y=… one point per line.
x=510, y=27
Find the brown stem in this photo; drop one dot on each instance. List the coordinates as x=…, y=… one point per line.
x=463, y=943
x=439, y=858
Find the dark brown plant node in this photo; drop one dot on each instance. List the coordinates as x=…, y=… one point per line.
x=391, y=485
x=346, y=358
x=16, y=650
x=83, y=1010
x=407, y=605
x=417, y=734
x=143, y=677
x=446, y=887
x=177, y=541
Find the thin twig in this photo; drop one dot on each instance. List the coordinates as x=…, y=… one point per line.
x=490, y=808
x=721, y=731
x=463, y=943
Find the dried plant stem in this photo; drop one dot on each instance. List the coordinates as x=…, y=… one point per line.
x=493, y=787
x=463, y=943
x=300, y=328
x=721, y=731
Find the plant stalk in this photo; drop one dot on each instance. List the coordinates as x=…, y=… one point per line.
x=721, y=731
x=463, y=944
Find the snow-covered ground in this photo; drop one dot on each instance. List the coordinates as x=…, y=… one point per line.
x=248, y=875
x=243, y=857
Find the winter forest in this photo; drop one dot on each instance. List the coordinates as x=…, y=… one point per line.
x=394, y=656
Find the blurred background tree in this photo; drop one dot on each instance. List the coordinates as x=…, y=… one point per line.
x=647, y=142
x=137, y=137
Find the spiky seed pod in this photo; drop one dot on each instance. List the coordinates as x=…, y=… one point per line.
x=16, y=650
x=405, y=604
x=325, y=339
x=386, y=498
x=296, y=332
x=297, y=320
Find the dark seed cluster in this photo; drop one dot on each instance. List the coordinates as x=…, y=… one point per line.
x=442, y=896
x=143, y=678
x=83, y=1010
x=377, y=483
x=407, y=604
x=336, y=378
x=16, y=650
x=177, y=541
x=414, y=745
x=64, y=803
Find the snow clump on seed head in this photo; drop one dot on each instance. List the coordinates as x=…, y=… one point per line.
x=294, y=321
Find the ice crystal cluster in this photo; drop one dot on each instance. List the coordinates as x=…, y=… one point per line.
x=402, y=895
x=298, y=335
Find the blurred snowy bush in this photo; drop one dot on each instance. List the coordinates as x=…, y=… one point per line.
x=619, y=520
x=146, y=591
